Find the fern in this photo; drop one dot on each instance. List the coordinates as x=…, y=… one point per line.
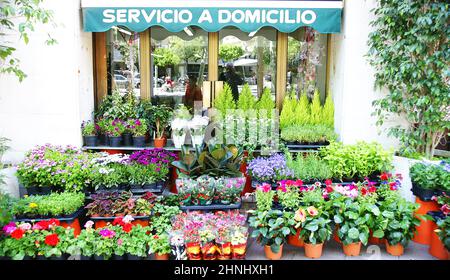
x=328, y=111
x=302, y=111
x=246, y=99
x=224, y=100
x=316, y=109
x=265, y=103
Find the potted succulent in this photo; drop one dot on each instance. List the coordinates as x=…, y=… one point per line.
x=161, y=114
x=138, y=129
x=115, y=129
x=197, y=128
x=160, y=246
x=271, y=229
x=89, y=131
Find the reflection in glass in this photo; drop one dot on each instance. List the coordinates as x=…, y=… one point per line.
x=248, y=58
x=179, y=65
x=123, y=61
x=306, y=69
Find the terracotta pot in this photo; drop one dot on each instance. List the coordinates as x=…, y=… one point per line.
x=100, y=224
x=336, y=236
x=394, y=250
x=163, y=257
x=423, y=235
x=159, y=142
x=375, y=240
x=75, y=224
x=437, y=248
x=271, y=255
x=296, y=240
x=313, y=251
x=143, y=223
x=352, y=249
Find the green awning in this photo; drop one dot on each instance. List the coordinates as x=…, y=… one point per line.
x=212, y=15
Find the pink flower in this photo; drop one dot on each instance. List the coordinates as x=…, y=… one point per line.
x=9, y=228
x=300, y=215
x=445, y=209
x=328, y=182
x=119, y=242
x=312, y=211
x=25, y=226
x=128, y=219
x=106, y=233
x=265, y=187
x=282, y=188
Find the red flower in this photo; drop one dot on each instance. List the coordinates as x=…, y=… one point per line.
x=127, y=227
x=17, y=233
x=363, y=191
x=53, y=222
x=329, y=189
x=384, y=177
x=41, y=225
x=52, y=240
x=155, y=236
x=372, y=189
x=118, y=221
x=328, y=182
x=299, y=183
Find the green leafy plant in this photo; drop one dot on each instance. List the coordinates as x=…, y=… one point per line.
x=110, y=176
x=265, y=103
x=137, y=127
x=443, y=231
x=264, y=198
x=228, y=52
x=430, y=175
x=246, y=99
x=159, y=244
x=88, y=129
x=358, y=160
x=309, y=168
x=288, y=197
x=162, y=115
x=271, y=227
x=302, y=113
x=138, y=174
x=6, y=203
x=161, y=219
x=413, y=69
x=318, y=133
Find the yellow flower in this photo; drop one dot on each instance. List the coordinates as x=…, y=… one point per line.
x=33, y=205
x=300, y=215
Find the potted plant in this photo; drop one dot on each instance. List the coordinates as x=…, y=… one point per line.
x=397, y=223
x=160, y=246
x=85, y=241
x=239, y=235
x=441, y=249
x=271, y=229
x=89, y=132
x=269, y=170
x=207, y=237
x=197, y=128
x=115, y=129
x=424, y=179
x=105, y=243
x=161, y=115
x=138, y=129
x=179, y=127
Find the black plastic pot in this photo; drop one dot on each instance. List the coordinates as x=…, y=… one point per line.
x=136, y=187
x=32, y=190
x=423, y=194
x=41, y=258
x=45, y=190
x=124, y=187
x=436, y=215
x=90, y=141
x=103, y=139
x=85, y=258
x=115, y=141
x=139, y=141
x=118, y=258
x=131, y=257
x=99, y=258
x=58, y=258
x=442, y=192
x=127, y=140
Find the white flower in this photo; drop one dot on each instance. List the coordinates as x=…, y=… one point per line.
x=25, y=226
x=179, y=124
x=103, y=171
x=88, y=224
x=198, y=122
x=127, y=219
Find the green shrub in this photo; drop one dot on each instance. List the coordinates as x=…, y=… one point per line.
x=288, y=111
x=309, y=168
x=246, y=99
x=266, y=103
x=316, y=109
x=328, y=111
x=430, y=176
x=302, y=114
x=356, y=161
x=224, y=100
x=308, y=133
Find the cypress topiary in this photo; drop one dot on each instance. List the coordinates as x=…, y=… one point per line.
x=224, y=100
x=316, y=109
x=328, y=111
x=302, y=110
x=288, y=112
x=246, y=99
x=266, y=103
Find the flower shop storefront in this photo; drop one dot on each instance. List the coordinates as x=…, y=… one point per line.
x=176, y=53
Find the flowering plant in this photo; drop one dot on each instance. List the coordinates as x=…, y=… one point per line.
x=270, y=169
x=139, y=174
x=179, y=126
x=156, y=156
x=288, y=193
x=264, y=197
x=160, y=244
x=115, y=128
x=89, y=128
x=137, y=127
x=198, y=125
x=228, y=190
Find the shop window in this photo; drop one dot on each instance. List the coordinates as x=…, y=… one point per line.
x=122, y=46
x=307, y=62
x=179, y=65
x=248, y=58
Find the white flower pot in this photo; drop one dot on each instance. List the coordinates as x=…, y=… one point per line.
x=197, y=140
x=178, y=140
x=402, y=165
